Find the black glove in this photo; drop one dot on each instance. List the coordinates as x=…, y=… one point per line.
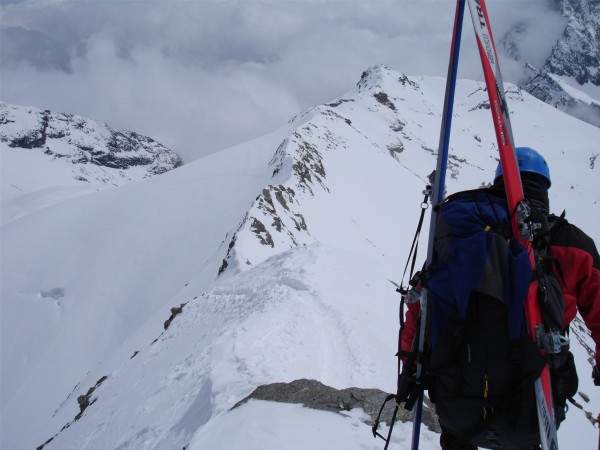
x=596, y=375
x=407, y=389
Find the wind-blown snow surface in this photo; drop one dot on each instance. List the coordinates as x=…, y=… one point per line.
x=281, y=251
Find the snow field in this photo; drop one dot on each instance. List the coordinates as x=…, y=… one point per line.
x=89, y=281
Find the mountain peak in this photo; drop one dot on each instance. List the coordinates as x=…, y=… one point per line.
x=93, y=152
x=380, y=77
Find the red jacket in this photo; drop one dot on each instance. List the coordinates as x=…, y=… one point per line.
x=579, y=264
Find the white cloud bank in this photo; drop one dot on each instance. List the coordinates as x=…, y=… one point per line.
x=200, y=76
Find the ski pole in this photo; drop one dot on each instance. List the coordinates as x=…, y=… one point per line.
x=437, y=197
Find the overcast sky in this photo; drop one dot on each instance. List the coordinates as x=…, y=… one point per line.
x=200, y=76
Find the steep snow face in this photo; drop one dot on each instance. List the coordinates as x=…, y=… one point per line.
x=276, y=254
x=46, y=150
x=573, y=63
x=577, y=54
x=557, y=92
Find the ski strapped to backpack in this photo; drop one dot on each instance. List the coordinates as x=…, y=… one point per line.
x=474, y=230
x=522, y=226
x=517, y=208
x=483, y=364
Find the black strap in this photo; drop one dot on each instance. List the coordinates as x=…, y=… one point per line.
x=389, y=436
x=412, y=255
x=402, y=392
x=556, y=223
x=412, y=259
x=378, y=420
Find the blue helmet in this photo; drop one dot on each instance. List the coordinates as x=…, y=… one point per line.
x=529, y=161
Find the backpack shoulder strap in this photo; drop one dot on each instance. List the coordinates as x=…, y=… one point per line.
x=556, y=221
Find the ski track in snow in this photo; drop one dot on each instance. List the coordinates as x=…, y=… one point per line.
x=224, y=351
x=227, y=353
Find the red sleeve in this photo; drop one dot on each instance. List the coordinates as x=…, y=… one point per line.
x=410, y=325
x=580, y=279
x=589, y=307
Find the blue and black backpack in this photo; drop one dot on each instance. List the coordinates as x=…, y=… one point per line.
x=482, y=363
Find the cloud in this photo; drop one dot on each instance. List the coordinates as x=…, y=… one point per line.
x=40, y=50
x=202, y=75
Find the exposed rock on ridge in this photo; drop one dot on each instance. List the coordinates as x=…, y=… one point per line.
x=97, y=152
x=275, y=221
x=314, y=394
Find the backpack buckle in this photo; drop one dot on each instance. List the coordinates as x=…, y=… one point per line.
x=528, y=226
x=551, y=342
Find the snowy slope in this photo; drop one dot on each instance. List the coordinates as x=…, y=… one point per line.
x=82, y=276
x=281, y=252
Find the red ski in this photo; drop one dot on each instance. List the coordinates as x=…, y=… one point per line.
x=515, y=197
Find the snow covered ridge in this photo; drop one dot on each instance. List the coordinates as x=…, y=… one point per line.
x=95, y=152
x=327, y=138
x=299, y=172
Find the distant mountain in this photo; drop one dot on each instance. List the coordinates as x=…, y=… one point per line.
x=139, y=317
x=573, y=62
x=553, y=90
x=577, y=53
x=93, y=152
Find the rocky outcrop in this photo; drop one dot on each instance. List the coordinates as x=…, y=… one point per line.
x=275, y=219
x=175, y=311
x=314, y=394
x=105, y=155
x=577, y=53
x=84, y=401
